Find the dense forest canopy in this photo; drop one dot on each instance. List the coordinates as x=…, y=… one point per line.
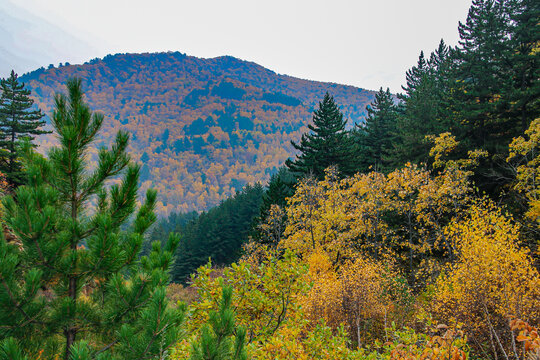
x=201, y=128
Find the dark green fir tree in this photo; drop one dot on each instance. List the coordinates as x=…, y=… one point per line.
x=18, y=121
x=74, y=285
x=280, y=187
x=375, y=137
x=327, y=144
x=423, y=108
x=482, y=70
x=523, y=95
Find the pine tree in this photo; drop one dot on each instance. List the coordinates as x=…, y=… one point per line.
x=482, y=64
x=328, y=143
x=216, y=339
x=495, y=93
x=422, y=110
x=17, y=121
x=219, y=233
x=375, y=137
x=74, y=285
x=523, y=95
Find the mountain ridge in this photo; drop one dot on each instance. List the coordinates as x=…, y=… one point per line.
x=207, y=126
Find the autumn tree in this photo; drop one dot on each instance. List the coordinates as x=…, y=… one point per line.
x=493, y=279
x=18, y=121
x=265, y=299
x=74, y=286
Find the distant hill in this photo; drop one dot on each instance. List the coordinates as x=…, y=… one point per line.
x=201, y=128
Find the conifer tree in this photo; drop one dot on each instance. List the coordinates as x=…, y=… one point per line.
x=482, y=64
x=219, y=233
x=523, y=94
x=375, y=137
x=422, y=110
x=328, y=143
x=216, y=339
x=495, y=94
x=74, y=286
x=17, y=121
x=280, y=187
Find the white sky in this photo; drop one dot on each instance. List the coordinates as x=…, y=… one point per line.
x=366, y=43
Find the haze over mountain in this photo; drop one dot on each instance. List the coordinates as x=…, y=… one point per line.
x=28, y=41
x=201, y=128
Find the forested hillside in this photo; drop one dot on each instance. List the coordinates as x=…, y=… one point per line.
x=202, y=128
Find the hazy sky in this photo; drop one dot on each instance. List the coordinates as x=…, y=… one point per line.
x=366, y=43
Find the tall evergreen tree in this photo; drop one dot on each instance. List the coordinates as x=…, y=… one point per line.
x=523, y=94
x=327, y=144
x=423, y=107
x=375, y=137
x=495, y=92
x=482, y=64
x=17, y=122
x=74, y=285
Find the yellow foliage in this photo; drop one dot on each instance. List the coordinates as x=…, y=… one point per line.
x=399, y=216
x=450, y=344
x=300, y=341
x=264, y=298
x=493, y=278
x=527, y=154
x=361, y=294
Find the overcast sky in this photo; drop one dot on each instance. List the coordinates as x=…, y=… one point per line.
x=366, y=43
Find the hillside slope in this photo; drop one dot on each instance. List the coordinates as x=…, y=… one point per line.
x=202, y=128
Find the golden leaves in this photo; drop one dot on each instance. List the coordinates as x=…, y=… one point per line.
x=492, y=278
x=525, y=158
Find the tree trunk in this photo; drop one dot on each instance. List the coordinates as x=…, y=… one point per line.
x=71, y=330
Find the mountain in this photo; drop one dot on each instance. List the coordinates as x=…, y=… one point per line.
x=28, y=41
x=201, y=128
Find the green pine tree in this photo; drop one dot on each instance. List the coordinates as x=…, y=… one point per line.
x=423, y=108
x=74, y=285
x=523, y=94
x=220, y=339
x=375, y=137
x=328, y=143
x=280, y=187
x=482, y=66
x=17, y=122
x=495, y=92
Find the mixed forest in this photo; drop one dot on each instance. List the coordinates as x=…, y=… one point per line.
x=201, y=128
x=411, y=235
